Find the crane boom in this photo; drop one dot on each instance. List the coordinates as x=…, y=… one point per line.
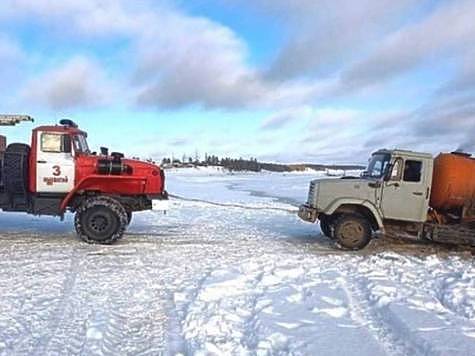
x=11, y=120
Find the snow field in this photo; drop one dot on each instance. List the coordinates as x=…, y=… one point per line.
x=240, y=276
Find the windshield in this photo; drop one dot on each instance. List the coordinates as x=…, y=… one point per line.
x=80, y=144
x=377, y=165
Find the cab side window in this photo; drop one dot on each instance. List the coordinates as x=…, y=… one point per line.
x=412, y=171
x=55, y=143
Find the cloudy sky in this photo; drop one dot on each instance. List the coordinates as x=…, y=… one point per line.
x=283, y=80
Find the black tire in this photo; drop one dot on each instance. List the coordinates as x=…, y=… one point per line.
x=352, y=232
x=100, y=220
x=326, y=225
x=16, y=168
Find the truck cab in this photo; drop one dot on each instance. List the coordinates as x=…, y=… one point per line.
x=395, y=188
x=53, y=156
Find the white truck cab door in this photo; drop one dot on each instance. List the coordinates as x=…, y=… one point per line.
x=406, y=195
x=55, y=168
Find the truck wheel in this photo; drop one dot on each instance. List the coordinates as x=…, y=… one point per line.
x=100, y=220
x=326, y=225
x=352, y=232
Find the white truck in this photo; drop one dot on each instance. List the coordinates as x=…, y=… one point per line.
x=401, y=193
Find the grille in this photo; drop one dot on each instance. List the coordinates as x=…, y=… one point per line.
x=311, y=194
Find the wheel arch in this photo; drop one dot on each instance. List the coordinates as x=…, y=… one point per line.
x=98, y=184
x=364, y=208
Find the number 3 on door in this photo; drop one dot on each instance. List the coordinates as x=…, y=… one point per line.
x=56, y=171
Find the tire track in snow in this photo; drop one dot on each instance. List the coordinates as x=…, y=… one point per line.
x=105, y=332
x=157, y=334
x=60, y=316
x=392, y=333
x=177, y=317
x=28, y=340
x=239, y=333
x=252, y=322
x=123, y=324
x=444, y=286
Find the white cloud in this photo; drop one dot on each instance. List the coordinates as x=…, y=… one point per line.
x=177, y=59
x=338, y=134
x=86, y=17
x=450, y=28
x=77, y=83
x=185, y=60
x=287, y=116
x=317, y=119
x=325, y=34
x=464, y=80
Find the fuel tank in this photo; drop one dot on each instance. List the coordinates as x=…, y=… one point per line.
x=453, y=181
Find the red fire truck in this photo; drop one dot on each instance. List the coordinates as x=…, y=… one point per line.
x=59, y=173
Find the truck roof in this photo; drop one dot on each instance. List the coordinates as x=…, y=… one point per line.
x=60, y=128
x=65, y=126
x=402, y=152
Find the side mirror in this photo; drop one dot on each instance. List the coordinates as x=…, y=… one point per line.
x=104, y=151
x=67, y=144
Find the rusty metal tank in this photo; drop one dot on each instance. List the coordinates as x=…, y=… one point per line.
x=453, y=183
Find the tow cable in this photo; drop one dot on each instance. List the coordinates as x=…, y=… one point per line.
x=239, y=206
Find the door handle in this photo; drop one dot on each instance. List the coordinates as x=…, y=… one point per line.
x=376, y=184
x=418, y=193
x=41, y=162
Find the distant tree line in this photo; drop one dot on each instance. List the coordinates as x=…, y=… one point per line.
x=230, y=164
x=250, y=165
x=240, y=164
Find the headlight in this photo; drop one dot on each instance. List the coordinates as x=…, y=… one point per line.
x=313, y=193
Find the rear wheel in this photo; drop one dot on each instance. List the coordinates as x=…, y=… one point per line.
x=352, y=232
x=100, y=220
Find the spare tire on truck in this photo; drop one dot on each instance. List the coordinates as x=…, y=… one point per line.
x=16, y=169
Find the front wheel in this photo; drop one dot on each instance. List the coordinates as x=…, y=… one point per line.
x=352, y=232
x=100, y=220
x=326, y=225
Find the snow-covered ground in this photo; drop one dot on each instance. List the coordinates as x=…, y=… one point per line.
x=229, y=270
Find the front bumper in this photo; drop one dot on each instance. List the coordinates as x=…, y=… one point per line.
x=160, y=201
x=307, y=213
x=161, y=196
x=160, y=205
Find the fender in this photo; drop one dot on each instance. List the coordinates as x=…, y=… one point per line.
x=330, y=209
x=106, y=185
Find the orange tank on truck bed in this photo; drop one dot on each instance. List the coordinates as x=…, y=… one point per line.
x=453, y=183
